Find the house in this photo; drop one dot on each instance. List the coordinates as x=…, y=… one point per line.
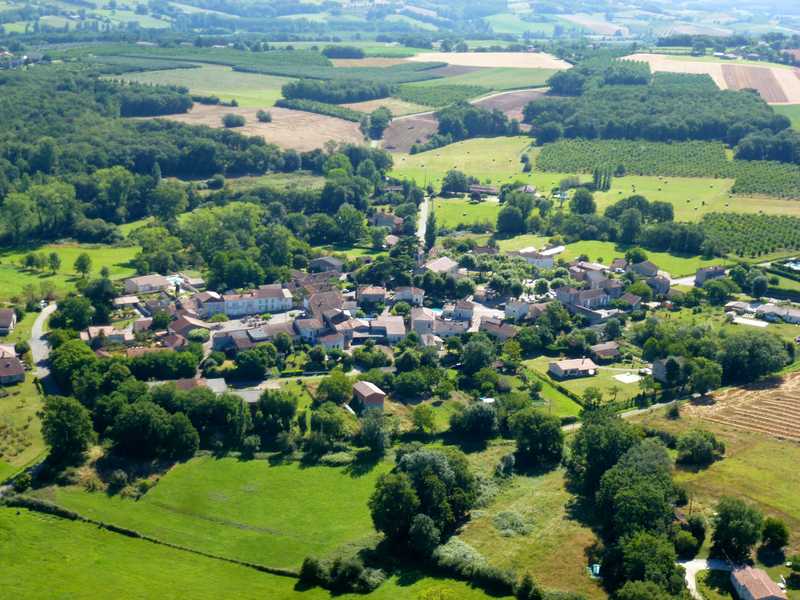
x=520, y=310
x=125, y=301
x=384, y=219
x=755, y=584
x=142, y=325
x=371, y=294
x=412, y=295
x=644, y=269
x=618, y=265
x=184, y=325
x=659, y=284
x=632, y=301
x=660, y=372
x=607, y=351
x=496, y=328
x=331, y=341
x=146, y=284
x=573, y=367
x=309, y=329
x=444, y=265
x=391, y=240
x=390, y=327
x=106, y=334
x=325, y=263
x=8, y=320
x=11, y=370
x=174, y=341
x=431, y=341
x=464, y=310
x=265, y=299
x=708, y=273
x=422, y=320
x=192, y=281
x=485, y=250
x=370, y=395
x=592, y=299
x=613, y=287
x=445, y=329
x=319, y=303
x=773, y=312
x=535, y=258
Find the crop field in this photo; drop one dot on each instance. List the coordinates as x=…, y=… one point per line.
x=398, y=106
x=510, y=103
x=13, y=278
x=440, y=95
x=761, y=79
x=84, y=558
x=469, y=156
x=298, y=130
x=276, y=180
x=551, y=545
x=248, y=89
x=595, y=24
x=519, y=60
x=753, y=235
x=20, y=432
x=603, y=381
x=451, y=212
x=271, y=515
x=497, y=78
x=403, y=133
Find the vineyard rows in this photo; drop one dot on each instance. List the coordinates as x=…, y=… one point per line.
x=751, y=235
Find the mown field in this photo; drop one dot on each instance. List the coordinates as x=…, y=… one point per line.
x=790, y=110
x=248, y=89
x=497, y=78
x=451, y=212
x=37, y=551
x=271, y=515
x=13, y=278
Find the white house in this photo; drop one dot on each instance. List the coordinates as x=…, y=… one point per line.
x=412, y=295
x=145, y=284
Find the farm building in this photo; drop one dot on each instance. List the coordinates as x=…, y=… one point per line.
x=11, y=370
x=8, y=320
x=370, y=395
x=755, y=584
x=574, y=367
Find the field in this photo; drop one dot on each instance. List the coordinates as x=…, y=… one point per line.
x=510, y=23
x=471, y=157
x=271, y=515
x=519, y=60
x=13, y=279
x=595, y=24
x=398, y=106
x=511, y=103
x=451, y=212
x=603, y=381
x=276, y=180
x=289, y=129
x=498, y=78
x=792, y=111
x=248, y=89
x=20, y=434
x=84, y=558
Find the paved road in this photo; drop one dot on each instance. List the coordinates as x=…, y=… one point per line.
x=422, y=219
x=693, y=567
x=40, y=349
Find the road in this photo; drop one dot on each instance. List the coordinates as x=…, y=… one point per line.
x=693, y=567
x=625, y=415
x=40, y=349
x=422, y=219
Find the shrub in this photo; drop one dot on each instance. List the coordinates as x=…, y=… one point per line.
x=699, y=447
x=775, y=534
x=264, y=116
x=423, y=535
x=231, y=120
x=21, y=482
x=250, y=445
x=685, y=545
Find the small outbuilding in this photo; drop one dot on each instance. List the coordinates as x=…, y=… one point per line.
x=370, y=395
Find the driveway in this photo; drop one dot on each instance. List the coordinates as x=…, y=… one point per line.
x=40, y=349
x=693, y=567
x=422, y=219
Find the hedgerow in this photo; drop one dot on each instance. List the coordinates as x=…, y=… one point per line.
x=439, y=95
x=321, y=108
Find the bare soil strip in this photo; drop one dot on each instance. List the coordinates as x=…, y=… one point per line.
x=521, y=60
x=761, y=79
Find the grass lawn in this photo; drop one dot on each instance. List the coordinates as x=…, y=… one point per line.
x=497, y=78
x=786, y=283
x=451, y=212
x=249, y=89
x=471, y=157
x=522, y=241
x=552, y=550
x=22, y=331
x=603, y=381
x=790, y=110
x=13, y=279
x=85, y=559
x=272, y=515
x=558, y=403
x=20, y=432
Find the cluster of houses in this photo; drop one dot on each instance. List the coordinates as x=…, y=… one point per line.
x=12, y=370
x=768, y=311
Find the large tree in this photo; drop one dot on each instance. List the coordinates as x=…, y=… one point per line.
x=737, y=528
x=66, y=427
x=539, y=437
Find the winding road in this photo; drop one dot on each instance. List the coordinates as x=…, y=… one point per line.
x=693, y=567
x=422, y=219
x=40, y=349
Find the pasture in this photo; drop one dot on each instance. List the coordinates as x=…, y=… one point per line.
x=21, y=440
x=398, y=107
x=250, y=90
x=248, y=510
x=289, y=129
x=84, y=558
x=451, y=212
x=13, y=278
x=792, y=111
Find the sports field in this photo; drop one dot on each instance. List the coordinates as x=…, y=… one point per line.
x=248, y=89
x=13, y=278
x=248, y=510
x=83, y=558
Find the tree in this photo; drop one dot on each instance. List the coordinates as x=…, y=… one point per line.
x=539, y=437
x=264, y=116
x=232, y=120
x=141, y=430
x=704, y=375
x=66, y=427
x=582, y=202
x=478, y=353
x=455, y=182
x=430, y=231
x=423, y=418
x=749, y=355
x=642, y=590
x=649, y=557
x=182, y=440
x=54, y=262
x=737, y=528
x=374, y=433
x=424, y=535
x=630, y=225
x=74, y=312
x=720, y=290
x=83, y=264
x=775, y=534
x=275, y=414
x=336, y=388
x=393, y=505
x=168, y=200
x=635, y=255
x=510, y=221
x=699, y=447
x=477, y=422
x=350, y=222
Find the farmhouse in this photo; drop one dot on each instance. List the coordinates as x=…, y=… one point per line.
x=325, y=263
x=266, y=299
x=332, y=340
x=571, y=368
x=422, y=320
x=309, y=329
x=464, y=310
x=442, y=266
x=390, y=327
x=644, y=269
x=773, y=312
x=371, y=294
x=535, y=258
x=445, y=329
x=319, y=303
x=707, y=274
x=11, y=370
x=146, y=284
x=8, y=320
x=412, y=295
x=755, y=584
x=498, y=329
x=370, y=395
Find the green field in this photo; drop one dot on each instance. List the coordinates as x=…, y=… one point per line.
x=471, y=157
x=451, y=212
x=522, y=241
x=790, y=110
x=510, y=23
x=497, y=78
x=248, y=89
x=558, y=403
x=13, y=279
x=603, y=381
x=21, y=440
x=411, y=21
x=271, y=515
x=84, y=559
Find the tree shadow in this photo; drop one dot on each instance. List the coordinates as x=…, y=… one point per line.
x=770, y=557
x=364, y=463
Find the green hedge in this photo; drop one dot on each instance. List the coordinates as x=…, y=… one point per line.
x=321, y=108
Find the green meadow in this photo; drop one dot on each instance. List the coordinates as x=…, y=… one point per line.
x=451, y=212
x=21, y=440
x=790, y=110
x=497, y=78
x=14, y=278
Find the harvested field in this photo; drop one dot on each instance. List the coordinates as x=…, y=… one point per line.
x=290, y=129
x=520, y=60
x=771, y=408
x=761, y=79
x=375, y=61
x=776, y=84
x=397, y=106
x=510, y=103
x=404, y=132
x=453, y=70
x=596, y=24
